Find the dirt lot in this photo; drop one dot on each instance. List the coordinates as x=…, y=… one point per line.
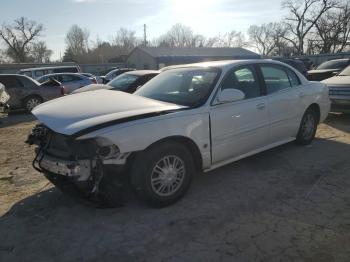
x=291, y=203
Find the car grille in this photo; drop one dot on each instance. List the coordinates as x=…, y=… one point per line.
x=339, y=92
x=62, y=146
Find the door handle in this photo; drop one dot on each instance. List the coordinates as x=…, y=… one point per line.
x=261, y=106
x=301, y=95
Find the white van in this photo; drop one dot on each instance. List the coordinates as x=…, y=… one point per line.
x=37, y=72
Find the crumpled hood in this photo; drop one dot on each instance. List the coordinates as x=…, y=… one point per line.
x=74, y=113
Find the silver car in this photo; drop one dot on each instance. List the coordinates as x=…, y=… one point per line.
x=70, y=81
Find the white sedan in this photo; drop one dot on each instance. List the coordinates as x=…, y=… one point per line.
x=189, y=118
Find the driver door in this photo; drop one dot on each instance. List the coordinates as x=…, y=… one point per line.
x=239, y=127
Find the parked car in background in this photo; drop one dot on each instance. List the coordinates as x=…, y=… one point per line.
x=127, y=82
x=328, y=69
x=70, y=81
x=114, y=73
x=297, y=64
x=307, y=62
x=37, y=72
x=339, y=90
x=26, y=93
x=94, y=78
x=4, y=98
x=189, y=118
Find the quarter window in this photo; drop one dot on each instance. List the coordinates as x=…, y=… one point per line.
x=244, y=79
x=276, y=78
x=39, y=73
x=294, y=79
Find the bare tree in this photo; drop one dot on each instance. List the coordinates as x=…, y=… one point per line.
x=125, y=40
x=77, y=40
x=333, y=30
x=266, y=37
x=19, y=36
x=40, y=53
x=303, y=15
x=230, y=39
x=179, y=36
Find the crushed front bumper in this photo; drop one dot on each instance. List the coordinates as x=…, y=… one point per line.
x=79, y=169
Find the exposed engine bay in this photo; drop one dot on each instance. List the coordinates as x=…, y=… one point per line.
x=86, y=166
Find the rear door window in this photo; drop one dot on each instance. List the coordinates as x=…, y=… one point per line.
x=69, y=78
x=38, y=73
x=10, y=81
x=275, y=77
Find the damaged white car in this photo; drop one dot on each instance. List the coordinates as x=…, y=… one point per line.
x=189, y=118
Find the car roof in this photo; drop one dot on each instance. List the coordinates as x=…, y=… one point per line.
x=340, y=59
x=11, y=75
x=121, y=69
x=224, y=64
x=142, y=72
x=44, y=68
x=57, y=74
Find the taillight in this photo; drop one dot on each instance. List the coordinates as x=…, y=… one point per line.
x=63, y=91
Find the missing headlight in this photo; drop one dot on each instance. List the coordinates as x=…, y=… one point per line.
x=108, y=152
x=106, y=149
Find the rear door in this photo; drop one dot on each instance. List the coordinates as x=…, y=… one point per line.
x=283, y=97
x=243, y=126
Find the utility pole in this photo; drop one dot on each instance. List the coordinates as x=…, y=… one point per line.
x=144, y=35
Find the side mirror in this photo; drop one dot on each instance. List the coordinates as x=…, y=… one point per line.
x=229, y=95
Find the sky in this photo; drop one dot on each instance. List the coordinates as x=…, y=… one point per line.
x=103, y=18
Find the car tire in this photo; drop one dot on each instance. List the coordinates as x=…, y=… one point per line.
x=308, y=127
x=162, y=174
x=31, y=102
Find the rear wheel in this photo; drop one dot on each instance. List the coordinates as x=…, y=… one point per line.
x=162, y=174
x=308, y=127
x=31, y=102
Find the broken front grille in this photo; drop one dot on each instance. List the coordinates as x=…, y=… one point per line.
x=62, y=146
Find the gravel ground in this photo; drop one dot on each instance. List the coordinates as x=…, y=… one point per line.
x=290, y=203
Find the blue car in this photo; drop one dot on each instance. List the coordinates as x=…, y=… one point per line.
x=70, y=81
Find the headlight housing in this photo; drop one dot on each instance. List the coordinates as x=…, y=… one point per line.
x=106, y=149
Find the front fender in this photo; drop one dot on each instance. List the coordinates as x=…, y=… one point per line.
x=137, y=136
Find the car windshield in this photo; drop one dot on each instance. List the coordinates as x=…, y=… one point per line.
x=335, y=64
x=345, y=72
x=183, y=86
x=111, y=73
x=122, y=82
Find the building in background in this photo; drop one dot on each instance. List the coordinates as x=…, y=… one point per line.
x=158, y=57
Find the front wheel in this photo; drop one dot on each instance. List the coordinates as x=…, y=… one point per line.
x=162, y=174
x=308, y=127
x=31, y=102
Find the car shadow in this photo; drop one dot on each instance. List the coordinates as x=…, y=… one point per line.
x=340, y=121
x=15, y=118
x=288, y=183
